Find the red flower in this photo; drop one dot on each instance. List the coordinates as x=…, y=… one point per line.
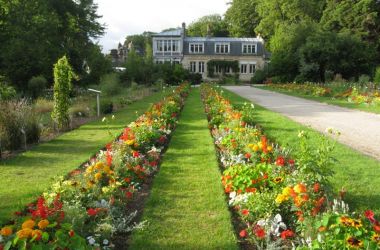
x=376, y=227
x=248, y=155
x=243, y=233
x=135, y=154
x=109, y=158
x=71, y=233
x=127, y=180
x=18, y=213
x=287, y=234
x=245, y=212
x=291, y=162
x=280, y=161
x=92, y=212
x=316, y=187
x=162, y=139
x=259, y=232
x=129, y=195
x=1, y=247
x=369, y=214
x=153, y=163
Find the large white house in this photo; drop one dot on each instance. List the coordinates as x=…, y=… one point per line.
x=195, y=52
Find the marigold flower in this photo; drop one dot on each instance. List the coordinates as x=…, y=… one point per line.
x=287, y=191
x=99, y=165
x=24, y=233
x=278, y=180
x=107, y=169
x=6, y=231
x=98, y=176
x=89, y=169
x=280, y=161
x=130, y=142
x=259, y=232
x=37, y=234
x=28, y=224
x=281, y=198
x=255, y=148
x=316, y=187
x=245, y=212
x=346, y=221
x=300, y=188
x=43, y=224
x=269, y=148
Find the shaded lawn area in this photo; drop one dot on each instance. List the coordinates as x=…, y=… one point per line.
x=329, y=100
x=187, y=208
x=26, y=176
x=355, y=172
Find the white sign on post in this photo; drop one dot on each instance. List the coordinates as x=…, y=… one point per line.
x=97, y=99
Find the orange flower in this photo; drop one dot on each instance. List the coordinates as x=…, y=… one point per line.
x=43, y=224
x=37, y=234
x=24, y=233
x=6, y=231
x=300, y=188
x=28, y=224
x=98, y=176
x=99, y=165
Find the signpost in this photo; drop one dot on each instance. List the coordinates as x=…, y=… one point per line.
x=97, y=99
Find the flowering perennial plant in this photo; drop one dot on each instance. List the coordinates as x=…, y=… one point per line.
x=86, y=210
x=282, y=202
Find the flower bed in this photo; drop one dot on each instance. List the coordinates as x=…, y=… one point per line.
x=281, y=201
x=88, y=209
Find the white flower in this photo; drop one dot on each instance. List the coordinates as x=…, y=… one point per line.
x=113, y=117
x=301, y=134
x=105, y=242
x=1, y=238
x=91, y=240
x=104, y=119
x=329, y=130
x=252, y=106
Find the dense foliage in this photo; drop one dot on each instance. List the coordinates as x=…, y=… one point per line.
x=35, y=33
x=308, y=38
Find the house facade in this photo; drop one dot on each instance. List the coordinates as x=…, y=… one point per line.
x=195, y=52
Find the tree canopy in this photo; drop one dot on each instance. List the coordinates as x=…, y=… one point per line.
x=212, y=24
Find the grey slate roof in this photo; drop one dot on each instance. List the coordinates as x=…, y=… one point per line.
x=176, y=32
x=221, y=39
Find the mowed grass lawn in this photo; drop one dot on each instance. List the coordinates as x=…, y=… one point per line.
x=25, y=177
x=329, y=100
x=187, y=208
x=355, y=172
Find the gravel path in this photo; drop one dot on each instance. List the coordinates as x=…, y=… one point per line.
x=360, y=130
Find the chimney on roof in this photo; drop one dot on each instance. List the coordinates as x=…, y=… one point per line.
x=183, y=33
x=208, y=31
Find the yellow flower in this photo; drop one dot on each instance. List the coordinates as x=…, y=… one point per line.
x=278, y=180
x=300, y=188
x=260, y=144
x=281, y=198
x=130, y=142
x=43, y=224
x=28, y=224
x=90, y=169
x=98, y=176
x=269, y=148
x=99, y=165
x=251, y=145
x=6, y=231
x=287, y=191
x=255, y=148
x=107, y=169
x=24, y=233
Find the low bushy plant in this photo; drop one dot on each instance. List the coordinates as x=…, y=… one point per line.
x=110, y=84
x=36, y=86
x=259, y=77
x=376, y=79
x=6, y=92
x=43, y=105
x=106, y=107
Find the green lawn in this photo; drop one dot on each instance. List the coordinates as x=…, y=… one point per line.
x=357, y=173
x=26, y=176
x=329, y=100
x=187, y=208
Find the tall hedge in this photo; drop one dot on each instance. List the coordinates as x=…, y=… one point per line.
x=63, y=74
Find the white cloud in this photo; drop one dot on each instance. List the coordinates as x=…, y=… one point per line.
x=128, y=17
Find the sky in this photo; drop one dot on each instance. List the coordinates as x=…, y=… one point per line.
x=129, y=17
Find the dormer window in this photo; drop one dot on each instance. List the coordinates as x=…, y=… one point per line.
x=249, y=48
x=196, y=48
x=222, y=48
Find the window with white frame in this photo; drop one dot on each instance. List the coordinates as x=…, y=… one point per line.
x=201, y=67
x=249, y=48
x=168, y=45
x=243, y=68
x=196, y=48
x=218, y=69
x=193, y=67
x=222, y=48
x=252, y=68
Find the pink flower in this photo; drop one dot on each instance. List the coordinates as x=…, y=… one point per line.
x=243, y=233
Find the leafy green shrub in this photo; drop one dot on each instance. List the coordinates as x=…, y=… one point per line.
x=79, y=110
x=259, y=77
x=195, y=79
x=36, y=86
x=15, y=116
x=110, y=84
x=6, y=92
x=364, y=79
x=376, y=79
x=106, y=107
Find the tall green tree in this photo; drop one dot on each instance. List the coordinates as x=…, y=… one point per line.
x=242, y=18
x=212, y=23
